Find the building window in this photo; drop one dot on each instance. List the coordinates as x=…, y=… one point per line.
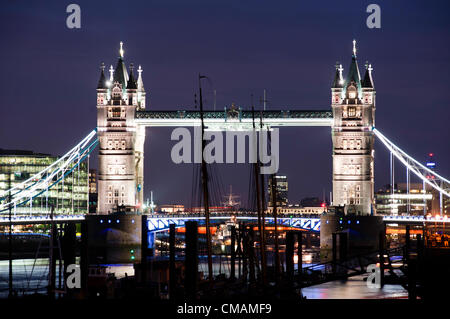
x=116, y=112
x=351, y=111
x=351, y=92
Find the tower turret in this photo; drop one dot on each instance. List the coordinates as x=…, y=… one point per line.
x=132, y=88
x=140, y=90
x=337, y=86
x=101, y=87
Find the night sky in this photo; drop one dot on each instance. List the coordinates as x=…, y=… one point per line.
x=50, y=72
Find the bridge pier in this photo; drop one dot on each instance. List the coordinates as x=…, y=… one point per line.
x=115, y=238
x=362, y=233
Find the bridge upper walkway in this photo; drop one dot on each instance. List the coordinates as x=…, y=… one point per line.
x=232, y=117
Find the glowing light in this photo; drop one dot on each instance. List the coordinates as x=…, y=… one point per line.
x=354, y=47
x=121, y=49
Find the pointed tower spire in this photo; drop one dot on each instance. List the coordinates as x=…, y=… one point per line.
x=121, y=49
x=131, y=84
x=368, y=81
x=121, y=74
x=140, y=83
x=338, y=80
x=111, y=73
x=102, y=80
x=353, y=72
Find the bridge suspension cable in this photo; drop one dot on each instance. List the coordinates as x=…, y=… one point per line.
x=414, y=166
x=48, y=177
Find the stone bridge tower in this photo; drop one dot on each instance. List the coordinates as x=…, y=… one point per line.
x=353, y=105
x=121, y=147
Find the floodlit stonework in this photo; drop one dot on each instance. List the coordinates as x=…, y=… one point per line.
x=353, y=106
x=121, y=147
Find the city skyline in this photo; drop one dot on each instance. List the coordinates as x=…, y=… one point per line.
x=60, y=69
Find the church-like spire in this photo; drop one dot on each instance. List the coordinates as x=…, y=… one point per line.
x=338, y=81
x=368, y=81
x=111, y=73
x=102, y=80
x=353, y=72
x=140, y=82
x=131, y=84
x=121, y=74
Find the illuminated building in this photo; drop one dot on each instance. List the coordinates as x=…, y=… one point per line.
x=446, y=204
x=401, y=202
x=93, y=196
x=437, y=200
x=298, y=210
x=171, y=209
x=281, y=191
x=92, y=181
x=69, y=196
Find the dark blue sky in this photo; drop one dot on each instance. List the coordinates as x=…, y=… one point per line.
x=287, y=47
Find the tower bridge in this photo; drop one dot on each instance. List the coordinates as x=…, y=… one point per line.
x=122, y=119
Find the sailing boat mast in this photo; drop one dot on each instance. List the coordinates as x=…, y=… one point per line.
x=258, y=205
x=205, y=187
x=263, y=209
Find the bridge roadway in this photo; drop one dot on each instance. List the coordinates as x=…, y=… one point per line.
x=161, y=222
x=237, y=118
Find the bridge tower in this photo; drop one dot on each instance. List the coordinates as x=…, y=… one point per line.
x=121, y=153
x=353, y=106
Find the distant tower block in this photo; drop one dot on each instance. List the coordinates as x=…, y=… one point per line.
x=121, y=156
x=353, y=105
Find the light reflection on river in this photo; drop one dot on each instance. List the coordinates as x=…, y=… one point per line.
x=32, y=277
